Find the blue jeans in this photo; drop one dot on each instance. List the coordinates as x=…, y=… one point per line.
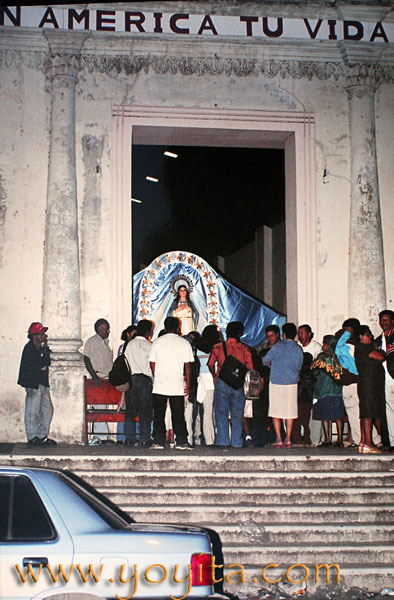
x=228, y=402
x=38, y=412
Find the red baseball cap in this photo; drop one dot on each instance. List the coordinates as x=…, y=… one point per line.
x=37, y=328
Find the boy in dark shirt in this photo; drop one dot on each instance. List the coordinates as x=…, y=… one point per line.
x=33, y=376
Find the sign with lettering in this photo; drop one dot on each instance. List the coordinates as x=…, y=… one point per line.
x=137, y=23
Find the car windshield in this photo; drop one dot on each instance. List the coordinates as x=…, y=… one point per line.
x=102, y=506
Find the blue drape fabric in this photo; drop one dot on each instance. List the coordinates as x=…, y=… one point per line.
x=216, y=300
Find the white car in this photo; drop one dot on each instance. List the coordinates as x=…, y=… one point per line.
x=60, y=536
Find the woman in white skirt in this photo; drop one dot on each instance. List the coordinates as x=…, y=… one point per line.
x=285, y=360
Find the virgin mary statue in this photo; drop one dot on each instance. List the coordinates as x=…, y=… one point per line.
x=182, y=307
x=202, y=297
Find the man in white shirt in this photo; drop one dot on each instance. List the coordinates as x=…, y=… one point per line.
x=138, y=398
x=170, y=358
x=305, y=337
x=97, y=354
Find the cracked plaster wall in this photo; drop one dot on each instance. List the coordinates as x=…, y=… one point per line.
x=25, y=98
x=384, y=107
x=23, y=169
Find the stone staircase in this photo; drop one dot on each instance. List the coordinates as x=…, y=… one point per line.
x=285, y=508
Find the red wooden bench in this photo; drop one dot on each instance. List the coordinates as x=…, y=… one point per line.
x=106, y=395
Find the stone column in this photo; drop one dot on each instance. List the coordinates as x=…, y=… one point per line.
x=61, y=306
x=366, y=288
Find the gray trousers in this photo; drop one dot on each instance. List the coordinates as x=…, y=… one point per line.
x=38, y=412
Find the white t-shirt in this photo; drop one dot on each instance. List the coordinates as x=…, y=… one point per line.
x=313, y=348
x=170, y=352
x=137, y=353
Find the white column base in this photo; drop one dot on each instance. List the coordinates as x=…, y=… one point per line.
x=67, y=393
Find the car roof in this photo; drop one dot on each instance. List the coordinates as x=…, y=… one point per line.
x=67, y=493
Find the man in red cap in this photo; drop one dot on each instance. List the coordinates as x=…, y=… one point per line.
x=33, y=376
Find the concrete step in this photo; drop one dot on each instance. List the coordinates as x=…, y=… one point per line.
x=370, y=577
x=236, y=514
x=289, y=533
x=342, y=554
x=98, y=458
x=250, y=496
x=287, y=508
x=233, y=481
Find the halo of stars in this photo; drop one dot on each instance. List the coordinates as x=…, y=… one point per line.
x=205, y=272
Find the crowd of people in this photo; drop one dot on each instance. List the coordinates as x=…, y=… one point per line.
x=187, y=390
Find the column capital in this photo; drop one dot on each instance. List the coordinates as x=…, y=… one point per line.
x=64, y=52
x=360, y=89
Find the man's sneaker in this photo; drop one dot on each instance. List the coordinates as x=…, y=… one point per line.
x=131, y=444
x=147, y=444
x=34, y=442
x=172, y=445
x=183, y=447
x=156, y=447
x=46, y=441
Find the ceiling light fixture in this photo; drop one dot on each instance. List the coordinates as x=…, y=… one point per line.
x=170, y=154
x=149, y=178
x=136, y=200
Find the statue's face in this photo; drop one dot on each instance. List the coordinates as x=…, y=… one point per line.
x=182, y=292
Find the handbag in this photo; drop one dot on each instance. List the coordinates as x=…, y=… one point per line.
x=252, y=385
x=233, y=372
x=120, y=374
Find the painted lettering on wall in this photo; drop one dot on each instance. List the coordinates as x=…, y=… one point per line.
x=200, y=26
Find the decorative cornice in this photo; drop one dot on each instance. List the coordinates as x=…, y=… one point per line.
x=200, y=66
x=30, y=59
x=240, y=67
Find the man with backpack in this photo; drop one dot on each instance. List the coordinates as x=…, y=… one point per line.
x=229, y=401
x=138, y=398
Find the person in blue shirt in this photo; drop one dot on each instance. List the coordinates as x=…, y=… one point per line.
x=285, y=361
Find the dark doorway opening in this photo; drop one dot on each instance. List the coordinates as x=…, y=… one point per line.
x=226, y=205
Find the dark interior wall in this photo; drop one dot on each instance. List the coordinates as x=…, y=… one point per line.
x=279, y=267
x=240, y=268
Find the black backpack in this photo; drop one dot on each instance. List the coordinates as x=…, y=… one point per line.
x=120, y=374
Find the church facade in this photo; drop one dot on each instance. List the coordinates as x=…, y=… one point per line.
x=82, y=83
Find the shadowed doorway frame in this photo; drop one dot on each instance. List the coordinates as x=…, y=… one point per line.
x=291, y=131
